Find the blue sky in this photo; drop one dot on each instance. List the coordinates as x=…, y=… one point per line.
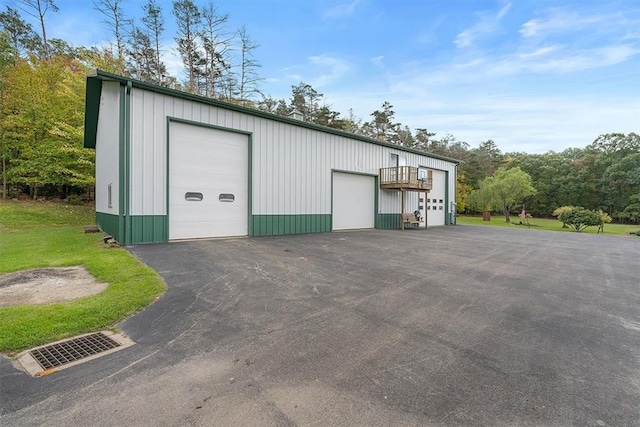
x=533, y=76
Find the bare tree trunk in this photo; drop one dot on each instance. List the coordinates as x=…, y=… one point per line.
x=38, y=9
x=116, y=22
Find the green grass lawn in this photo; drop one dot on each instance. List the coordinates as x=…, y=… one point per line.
x=545, y=224
x=36, y=234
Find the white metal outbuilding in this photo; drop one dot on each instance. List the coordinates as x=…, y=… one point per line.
x=171, y=165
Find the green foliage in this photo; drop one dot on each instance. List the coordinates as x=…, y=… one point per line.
x=50, y=236
x=632, y=211
x=463, y=191
x=559, y=211
x=480, y=199
x=579, y=218
x=43, y=125
x=548, y=225
x=506, y=189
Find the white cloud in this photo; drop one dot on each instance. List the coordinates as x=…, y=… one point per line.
x=378, y=61
x=341, y=10
x=561, y=21
x=544, y=61
x=531, y=124
x=487, y=24
x=337, y=68
x=563, y=60
x=540, y=52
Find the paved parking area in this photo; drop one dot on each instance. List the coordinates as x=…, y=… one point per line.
x=449, y=326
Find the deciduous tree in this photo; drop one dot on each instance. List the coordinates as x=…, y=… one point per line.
x=508, y=188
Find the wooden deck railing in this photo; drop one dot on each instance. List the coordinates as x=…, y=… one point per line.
x=405, y=178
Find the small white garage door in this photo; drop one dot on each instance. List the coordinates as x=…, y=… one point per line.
x=436, y=203
x=208, y=182
x=353, y=201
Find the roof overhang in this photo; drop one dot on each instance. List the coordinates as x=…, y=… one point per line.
x=92, y=112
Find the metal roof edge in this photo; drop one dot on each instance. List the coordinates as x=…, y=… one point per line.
x=104, y=75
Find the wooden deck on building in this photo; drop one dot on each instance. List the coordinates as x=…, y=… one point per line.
x=406, y=178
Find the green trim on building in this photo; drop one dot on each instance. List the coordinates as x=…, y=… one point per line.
x=109, y=223
x=148, y=229
x=93, y=93
x=166, y=190
x=250, y=187
x=454, y=214
x=447, y=208
x=127, y=165
x=103, y=75
x=376, y=200
x=388, y=221
x=271, y=225
x=122, y=169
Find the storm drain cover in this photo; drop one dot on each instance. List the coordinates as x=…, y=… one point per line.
x=69, y=351
x=59, y=355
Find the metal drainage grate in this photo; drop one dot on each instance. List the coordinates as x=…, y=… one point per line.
x=72, y=350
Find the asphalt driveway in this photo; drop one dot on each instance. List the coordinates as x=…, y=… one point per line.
x=449, y=326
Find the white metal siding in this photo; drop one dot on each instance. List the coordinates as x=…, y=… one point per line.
x=353, y=201
x=291, y=170
x=210, y=163
x=107, y=149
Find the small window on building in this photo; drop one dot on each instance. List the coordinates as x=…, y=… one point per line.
x=192, y=196
x=428, y=200
x=441, y=207
x=226, y=197
x=440, y=201
x=109, y=203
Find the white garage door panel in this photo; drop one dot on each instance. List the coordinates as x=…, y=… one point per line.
x=353, y=201
x=211, y=162
x=436, y=208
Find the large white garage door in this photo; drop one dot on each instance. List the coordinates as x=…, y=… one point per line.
x=436, y=204
x=353, y=201
x=208, y=182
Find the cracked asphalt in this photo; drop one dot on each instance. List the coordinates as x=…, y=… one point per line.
x=448, y=326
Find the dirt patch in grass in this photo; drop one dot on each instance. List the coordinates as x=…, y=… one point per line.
x=47, y=285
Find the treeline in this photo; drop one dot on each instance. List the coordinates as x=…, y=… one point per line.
x=605, y=175
x=42, y=85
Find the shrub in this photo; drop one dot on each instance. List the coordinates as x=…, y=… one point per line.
x=580, y=218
